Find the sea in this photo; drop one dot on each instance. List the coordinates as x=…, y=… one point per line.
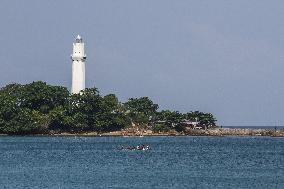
x=172, y=162
x=256, y=127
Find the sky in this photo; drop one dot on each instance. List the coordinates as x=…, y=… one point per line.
x=224, y=57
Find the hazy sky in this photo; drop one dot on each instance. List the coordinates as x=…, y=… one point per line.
x=221, y=56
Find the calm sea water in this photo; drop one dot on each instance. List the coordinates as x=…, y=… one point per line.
x=256, y=127
x=173, y=162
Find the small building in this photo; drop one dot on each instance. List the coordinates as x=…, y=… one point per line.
x=191, y=124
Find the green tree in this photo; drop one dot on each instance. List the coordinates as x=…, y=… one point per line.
x=90, y=111
x=171, y=119
x=27, y=122
x=118, y=119
x=84, y=108
x=42, y=97
x=204, y=119
x=15, y=119
x=38, y=108
x=9, y=106
x=141, y=110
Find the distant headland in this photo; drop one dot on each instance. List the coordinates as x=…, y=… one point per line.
x=41, y=109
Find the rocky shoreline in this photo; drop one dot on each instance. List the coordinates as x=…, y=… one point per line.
x=188, y=132
x=237, y=132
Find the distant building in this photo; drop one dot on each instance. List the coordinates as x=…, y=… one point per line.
x=78, y=66
x=191, y=124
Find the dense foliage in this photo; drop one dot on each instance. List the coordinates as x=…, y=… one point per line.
x=41, y=108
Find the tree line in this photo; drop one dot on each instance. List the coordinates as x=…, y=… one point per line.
x=37, y=108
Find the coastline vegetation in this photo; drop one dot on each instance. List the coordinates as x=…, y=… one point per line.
x=39, y=108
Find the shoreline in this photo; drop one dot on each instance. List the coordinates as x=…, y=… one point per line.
x=216, y=132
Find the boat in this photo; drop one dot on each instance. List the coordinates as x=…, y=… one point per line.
x=133, y=148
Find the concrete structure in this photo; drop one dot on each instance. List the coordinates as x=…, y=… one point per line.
x=78, y=66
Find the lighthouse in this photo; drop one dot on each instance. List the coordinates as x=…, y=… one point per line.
x=78, y=66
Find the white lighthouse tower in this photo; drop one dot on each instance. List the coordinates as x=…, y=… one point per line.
x=78, y=66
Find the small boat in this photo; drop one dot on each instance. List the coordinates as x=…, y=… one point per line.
x=143, y=147
x=133, y=148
